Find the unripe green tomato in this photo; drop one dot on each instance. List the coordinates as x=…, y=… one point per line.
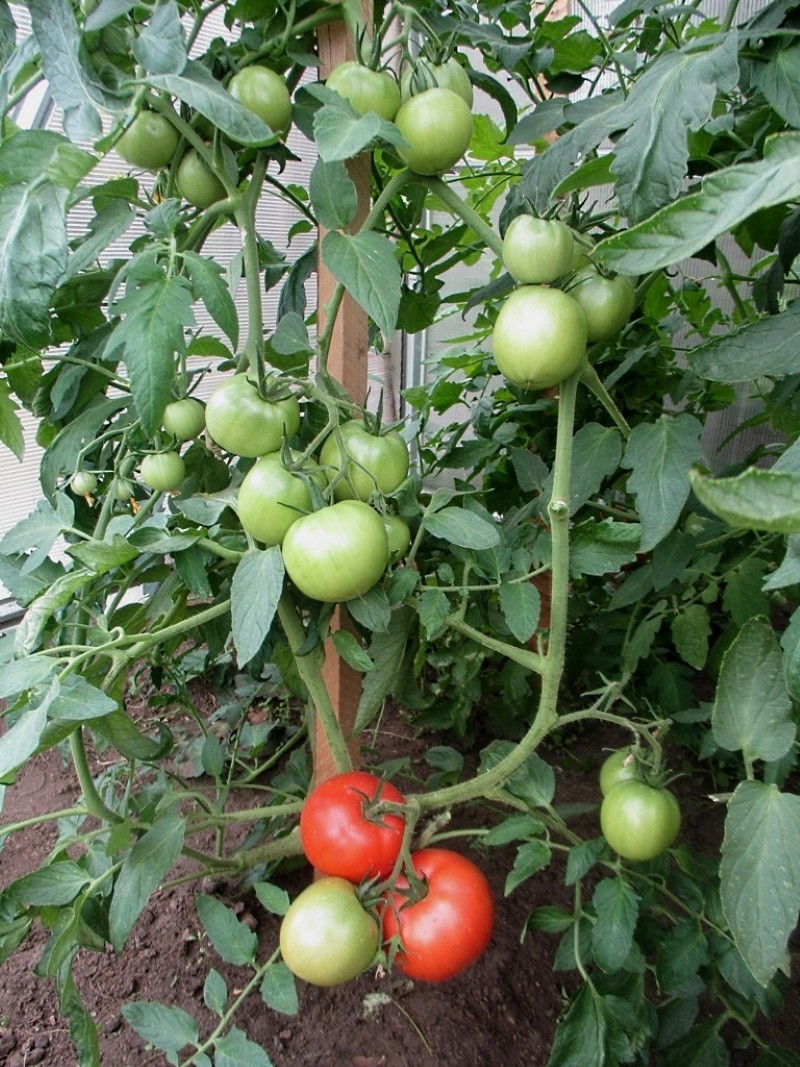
x=639, y=821
x=122, y=489
x=162, y=471
x=149, y=142
x=620, y=766
x=537, y=250
x=371, y=462
x=539, y=337
x=196, y=183
x=271, y=498
x=607, y=303
x=426, y=75
x=399, y=536
x=83, y=483
x=263, y=92
x=437, y=126
x=244, y=423
x=184, y=418
x=366, y=90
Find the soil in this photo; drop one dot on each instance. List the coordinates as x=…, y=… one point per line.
x=500, y=1013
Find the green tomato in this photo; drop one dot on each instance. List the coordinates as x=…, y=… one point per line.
x=185, y=418
x=244, y=423
x=639, y=821
x=607, y=303
x=371, y=463
x=399, y=536
x=83, y=483
x=263, y=92
x=326, y=936
x=426, y=75
x=149, y=142
x=196, y=183
x=539, y=338
x=162, y=471
x=437, y=126
x=366, y=90
x=122, y=489
x=537, y=250
x=337, y=553
x=620, y=766
x=271, y=498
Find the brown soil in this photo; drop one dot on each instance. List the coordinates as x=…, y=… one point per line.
x=500, y=1013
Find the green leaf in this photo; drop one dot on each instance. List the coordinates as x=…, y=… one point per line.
x=339, y=133
x=752, y=706
x=74, y=699
x=366, y=265
x=660, y=456
x=727, y=197
x=168, y=1028
x=756, y=499
x=82, y=1027
x=596, y=452
x=788, y=573
x=155, y=314
x=702, y=1046
x=513, y=828
x=54, y=885
x=210, y=286
x=461, y=527
x=582, y=1034
x=255, y=592
x=372, y=610
x=387, y=653
x=779, y=81
x=144, y=868
x=233, y=940
x=236, y=1049
x=581, y=858
x=278, y=989
x=102, y=556
x=760, y=874
x=603, y=547
x=333, y=194
x=790, y=643
x=38, y=531
x=617, y=906
x=291, y=336
x=59, y=593
x=351, y=652
x=683, y=951
x=215, y=992
x=160, y=47
x=17, y=675
x=11, y=434
x=20, y=741
x=119, y=730
x=197, y=87
x=272, y=897
x=433, y=608
x=520, y=604
x=691, y=630
x=770, y=347
x=532, y=856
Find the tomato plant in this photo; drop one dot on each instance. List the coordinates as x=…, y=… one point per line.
x=196, y=182
x=245, y=423
x=607, y=303
x=619, y=766
x=639, y=821
x=539, y=338
x=149, y=142
x=264, y=92
x=162, y=471
x=327, y=937
x=338, y=552
x=437, y=126
x=342, y=831
x=365, y=89
x=360, y=463
x=424, y=74
x=537, y=250
x=272, y=497
x=184, y=418
x=449, y=927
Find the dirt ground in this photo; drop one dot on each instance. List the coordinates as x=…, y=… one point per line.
x=500, y=1013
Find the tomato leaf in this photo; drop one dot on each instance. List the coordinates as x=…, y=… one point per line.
x=351, y=651
x=255, y=591
x=168, y=1028
x=339, y=133
x=272, y=897
x=278, y=989
x=366, y=265
x=660, y=456
x=702, y=1046
x=143, y=869
x=520, y=604
x=752, y=706
x=725, y=199
x=333, y=194
x=160, y=47
x=582, y=1035
x=236, y=1049
x=617, y=906
x=461, y=527
x=790, y=643
x=779, y=81
x=772, y=345
x=760, y=874
x=756, y=499
x=691, y=630
x=215, y=992
x=532, y=856
x=233, y=940
x=387, y=652
x=74, y=699
x=10, y=426
x=682, y=953
x=208, y=283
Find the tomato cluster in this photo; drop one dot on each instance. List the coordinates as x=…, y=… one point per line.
x=639, y=820
x=434, y=917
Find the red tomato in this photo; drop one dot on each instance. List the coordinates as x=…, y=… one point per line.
x=341, y=836
x=450, y=926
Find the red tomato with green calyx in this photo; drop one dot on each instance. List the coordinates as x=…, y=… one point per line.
x=271, y=498
x=537, y=250
x=539, y=337
x=639, y=821
x=149, y=142
x=337, y=553
x=326, y=936
x=344, y=834
x=607, y=303
x=246, y=424
x=450, y=927
x=366, y=90
x=437, y=126
x=263, y=92
x=371, y=463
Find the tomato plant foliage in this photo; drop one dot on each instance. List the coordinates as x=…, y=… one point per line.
x=588, y=511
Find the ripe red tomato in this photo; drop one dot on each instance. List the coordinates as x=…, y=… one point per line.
x=196, y=183
x=437, y=126
x=242, y=422
x=337, y=553
x=372, y=463
x=367, y=90
x=327, y=937
x=607, y=303
x=342, y=835
x=450, y=926
x=639, y=821
x=537, y=250
x=539, y=337
x=263, y=92
x=149, y=142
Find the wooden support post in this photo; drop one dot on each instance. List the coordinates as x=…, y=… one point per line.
x=347, y=362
